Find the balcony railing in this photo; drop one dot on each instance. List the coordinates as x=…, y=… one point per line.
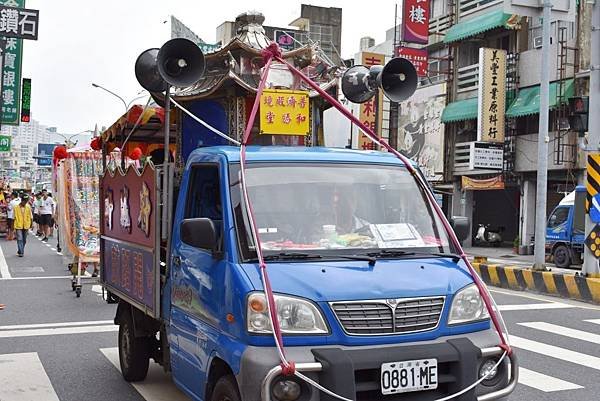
x=462, y=152
x=472, y=6
x=468, y=76
x=439, y=25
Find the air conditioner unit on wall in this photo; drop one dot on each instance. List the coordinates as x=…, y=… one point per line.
x=537, y=42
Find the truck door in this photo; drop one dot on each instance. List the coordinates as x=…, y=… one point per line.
x=197, y=280
x=559, y=224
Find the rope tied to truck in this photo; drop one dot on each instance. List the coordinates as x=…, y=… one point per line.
x=271, y=53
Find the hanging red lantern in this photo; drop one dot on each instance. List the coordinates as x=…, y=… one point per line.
x=60, y=152
x=135, y=154
x=96, y=143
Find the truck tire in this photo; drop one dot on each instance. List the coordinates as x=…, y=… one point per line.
x=134, y=352
x=226, y=389
x=561, y=256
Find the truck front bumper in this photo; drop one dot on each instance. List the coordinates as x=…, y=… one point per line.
x=354, y=372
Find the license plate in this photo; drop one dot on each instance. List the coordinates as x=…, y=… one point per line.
x=405, y=376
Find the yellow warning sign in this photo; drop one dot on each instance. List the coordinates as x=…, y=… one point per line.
x=593, y=241
x=593, y=179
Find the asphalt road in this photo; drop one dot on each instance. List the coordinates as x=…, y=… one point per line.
x=54, y=346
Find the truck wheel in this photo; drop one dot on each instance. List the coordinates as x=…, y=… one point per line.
x=561, y=256
x=134, y=352
x=226, y=389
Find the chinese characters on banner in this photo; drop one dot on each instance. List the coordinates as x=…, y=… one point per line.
x=284, y=112
x=492, y=96
x=18, y=22
x=418, y=57
x=368, y=113
x=415, y=27
x=11, y=73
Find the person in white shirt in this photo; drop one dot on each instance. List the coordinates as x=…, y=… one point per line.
x=13, y=200
x=46, y=206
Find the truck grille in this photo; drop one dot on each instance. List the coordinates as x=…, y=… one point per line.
x=392, y=316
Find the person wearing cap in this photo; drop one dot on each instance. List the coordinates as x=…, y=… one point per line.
x=23, y=219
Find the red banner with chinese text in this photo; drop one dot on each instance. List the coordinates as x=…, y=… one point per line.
x=369, y=113
x=418, y=57
x=415, y=22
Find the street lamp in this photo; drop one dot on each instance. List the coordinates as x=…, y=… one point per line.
x=68, y=141
x=127, y=105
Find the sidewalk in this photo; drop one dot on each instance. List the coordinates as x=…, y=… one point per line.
x=505, y=269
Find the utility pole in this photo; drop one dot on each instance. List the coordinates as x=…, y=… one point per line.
x=590, y=263
x=543, y=139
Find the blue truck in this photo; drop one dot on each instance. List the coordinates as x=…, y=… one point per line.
x=565, y=231
x=372, y=300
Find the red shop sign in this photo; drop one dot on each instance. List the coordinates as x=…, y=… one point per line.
x=416, y=56
x=415, y=27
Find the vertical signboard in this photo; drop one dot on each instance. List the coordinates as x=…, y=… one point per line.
x=492, y=95
x=415, y=27
x=11, y=74
x=369, y=113
x=5, y=143
x=26, y=101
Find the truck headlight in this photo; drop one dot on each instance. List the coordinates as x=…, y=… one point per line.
x=467, y=306
x=296, y=315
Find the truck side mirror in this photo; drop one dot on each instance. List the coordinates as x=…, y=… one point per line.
x=460, y=225
x=199, y=233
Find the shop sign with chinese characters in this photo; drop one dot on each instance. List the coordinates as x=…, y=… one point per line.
x=418, y=57
x=415, y=28
x=492, y=95
x=11, y=72
x=284, y=112
x=369, y=110
x=18, y=22
x=486, y=155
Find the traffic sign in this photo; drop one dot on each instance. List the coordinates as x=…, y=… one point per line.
x=593, y=178
x=595, y=209
x=593, y=241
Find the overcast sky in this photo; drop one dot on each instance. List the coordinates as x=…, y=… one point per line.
x=81, y=42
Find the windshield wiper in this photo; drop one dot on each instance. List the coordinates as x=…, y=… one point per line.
x=397, y=253
x=304, y=256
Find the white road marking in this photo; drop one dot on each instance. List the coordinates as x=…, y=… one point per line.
x=36, y=278
x=543, y=382
x=158, y=385
x=549, y=305
x=556, y=352
x=542, y=298
x=53, y=249
x=23, y=378
x=58, y=324
x=595, y=321
x=564, y=331
x=4, y=272
x=29, y=269
x=57, y=331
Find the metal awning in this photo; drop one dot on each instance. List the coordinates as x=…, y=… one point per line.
x=460, y=110
x=482, y=23
x=528, y=99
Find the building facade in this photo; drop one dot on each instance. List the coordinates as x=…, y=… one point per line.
x=485, y=163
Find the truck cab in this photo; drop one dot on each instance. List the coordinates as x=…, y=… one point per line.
x=372, y=300
x=565, y=230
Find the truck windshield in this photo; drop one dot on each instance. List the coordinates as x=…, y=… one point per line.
x=348, y=208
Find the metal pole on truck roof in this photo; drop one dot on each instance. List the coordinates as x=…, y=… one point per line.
x=590, y=263
x=165, y=178
x=543, y=139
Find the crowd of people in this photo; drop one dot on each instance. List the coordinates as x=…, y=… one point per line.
x=27, y=211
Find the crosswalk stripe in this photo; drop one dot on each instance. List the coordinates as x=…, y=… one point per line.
x=564, y=331
x=4, y=272
x=23, y=378
x=556, y=352
x=57, y=331
x=58, y=324
x=595, y=321
x=544, y=382
x=541, y=306
x=158, y=386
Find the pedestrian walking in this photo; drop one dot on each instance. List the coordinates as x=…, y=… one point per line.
x=23, y=219
x=16, y=199
x=10, y=216
x=46, y=212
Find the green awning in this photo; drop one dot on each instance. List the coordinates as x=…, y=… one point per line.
x=460, y=110
x=483, y=23
x=528, y=99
